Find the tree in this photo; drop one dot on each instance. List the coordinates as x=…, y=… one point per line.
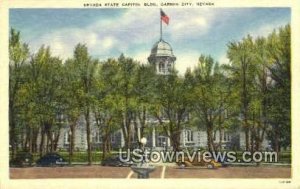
x=85, y=74
x=279, y=60
x=72, y=100
x=144, y=83
x=172, y=104
x=241, y=56
x=261, y=69
x=258, y=106
x=18, y=56
x=106, y=107
x=210, y=95
x=127, y=69
x=43, y=91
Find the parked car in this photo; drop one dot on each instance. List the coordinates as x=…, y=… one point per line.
x=115, y=162
x=51, y=159
x=22, y=159
x=212, y=164
x=223, y=162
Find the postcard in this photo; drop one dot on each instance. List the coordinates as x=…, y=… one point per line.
x=165, y=94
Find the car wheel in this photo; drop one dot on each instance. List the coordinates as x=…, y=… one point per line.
x=182, y=165
x=210, y=166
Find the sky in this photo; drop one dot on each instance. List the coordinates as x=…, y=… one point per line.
x=110, y=32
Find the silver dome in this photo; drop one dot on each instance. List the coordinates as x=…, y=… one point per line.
x=162, y=48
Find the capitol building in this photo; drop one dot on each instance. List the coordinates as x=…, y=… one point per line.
x=163, y=59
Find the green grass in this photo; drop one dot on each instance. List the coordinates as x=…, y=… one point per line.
x=283, y=157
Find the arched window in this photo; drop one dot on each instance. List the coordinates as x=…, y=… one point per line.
x=169, y=66
x=161, y=67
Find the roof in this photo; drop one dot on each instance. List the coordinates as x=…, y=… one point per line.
x=162, y=48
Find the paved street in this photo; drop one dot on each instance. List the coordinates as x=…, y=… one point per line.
x=96, y=171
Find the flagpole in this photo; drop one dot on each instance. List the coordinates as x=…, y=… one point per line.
x=160, y=25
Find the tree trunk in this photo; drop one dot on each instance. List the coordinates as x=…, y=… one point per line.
x=22, y=140
x=42, y=142
x=246, y=128
x=30, y=140
x=220, y=138
x=247, y=138
x=244, y=100
x=142, y=120
x=88, y=137
x=73, y=131
x=277, y=147
x=210, y=141
x=220, y=131
x=252, y=140
x=34, y=141
x=12, y=127
x=104, y=151
x=124, y=134
x=128, y=140
x=137, y=128
x=55, y=145
x=47, y=143
x=127, y=130
x=50, y=139
x=175, y=141
x=109, y=147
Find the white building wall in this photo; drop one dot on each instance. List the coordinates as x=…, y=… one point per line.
x=264, y=144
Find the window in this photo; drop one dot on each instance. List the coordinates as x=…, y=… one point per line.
x=66, y=138
x=113, y=138
x=188, y=136
x=169, y=66
x=97, y=138
x=161, y=67
x=162, y=141
x=226, y=136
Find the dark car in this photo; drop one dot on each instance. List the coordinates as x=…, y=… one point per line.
x=115, y=162
x=51, y=159
x=22, y=159
x=224, y=162
x=188, y=163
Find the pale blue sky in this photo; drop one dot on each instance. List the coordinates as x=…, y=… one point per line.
x=110, y=32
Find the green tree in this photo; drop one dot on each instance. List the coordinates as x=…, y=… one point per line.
x=172, y=105
x=85, y=74
x=127, y=69
x=241, y=56
x=106, y=108
x=144, y=83
x=279, y=62
x=210, y=96
x=44, y=90
x=18, y=56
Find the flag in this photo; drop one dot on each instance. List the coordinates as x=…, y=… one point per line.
x=164, y=17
